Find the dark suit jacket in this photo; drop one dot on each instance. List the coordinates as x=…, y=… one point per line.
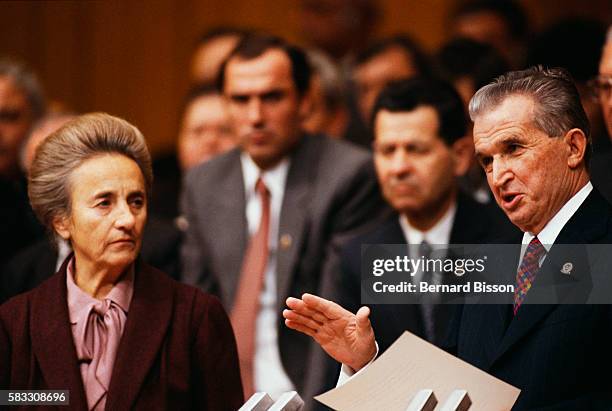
x=177, y=350
x=18, y=225
x=331, y=190
x=474, y=223
x=601, y=168
x=34, y=264
x=558, y=355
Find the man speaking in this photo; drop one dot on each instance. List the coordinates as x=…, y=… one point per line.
x=531, y=136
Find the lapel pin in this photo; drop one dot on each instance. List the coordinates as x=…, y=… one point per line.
x=285, y=241
x=567, y=268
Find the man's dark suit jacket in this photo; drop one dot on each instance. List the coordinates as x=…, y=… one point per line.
x=474, y=223
x=558, y=355
x=18, y=225
x=34, y=264
x=601, y=167
x=177, y=350
x=331, y=190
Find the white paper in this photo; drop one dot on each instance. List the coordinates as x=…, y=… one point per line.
x=410, y=365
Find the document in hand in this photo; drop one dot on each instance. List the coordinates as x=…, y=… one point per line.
x=410, y=365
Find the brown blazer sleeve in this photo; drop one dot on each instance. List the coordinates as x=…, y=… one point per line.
x=215, y=357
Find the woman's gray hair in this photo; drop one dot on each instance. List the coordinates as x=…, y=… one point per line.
x=557, y=110
x=85, y=137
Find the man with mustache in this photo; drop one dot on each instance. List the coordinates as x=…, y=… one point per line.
x=264, y=216
x=532, y=138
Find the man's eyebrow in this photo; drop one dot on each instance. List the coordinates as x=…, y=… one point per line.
x=505, y=140
x=134, y=193
x=511, y=139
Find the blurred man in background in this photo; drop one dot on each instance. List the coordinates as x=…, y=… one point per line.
x=502, y=24
x=21, y=104
x=339, y=28
x=389, y=59
x=206, y=129
x=212, y=49
x=328, y=110
x=603, y=83
x=601, y=87
x=421, y=146
x=45, y=126
x=262, y=218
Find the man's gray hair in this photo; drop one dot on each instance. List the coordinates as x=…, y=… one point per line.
x=26, y=81
x=557, y=110
x=332, y=83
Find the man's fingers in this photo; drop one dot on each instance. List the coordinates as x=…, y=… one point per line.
x=300, y=307
x=301, y=328
x=363, y=318
x=328, y=308
x=302, y=319
x=293, y=302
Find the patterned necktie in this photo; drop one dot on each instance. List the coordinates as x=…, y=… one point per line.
x=246, y=304
x=527, y=271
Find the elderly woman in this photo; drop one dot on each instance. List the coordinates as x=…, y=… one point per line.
x=115, y=332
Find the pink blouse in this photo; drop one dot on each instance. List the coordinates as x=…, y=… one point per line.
x=97, y=326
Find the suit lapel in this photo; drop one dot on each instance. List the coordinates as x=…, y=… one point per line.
x=492, y=319
x=586, y=226
x=467, y=224
x=229, y=226
x=391, y=232
x=148, y=319
x=52, y=341
x=293, y=222
x=531, y=314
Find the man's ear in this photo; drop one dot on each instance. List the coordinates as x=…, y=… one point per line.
x=305, y=105
x=576, y=142
x=60, y=225
x=463, y=154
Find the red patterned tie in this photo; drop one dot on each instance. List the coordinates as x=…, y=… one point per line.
x=527, y=271
x=246, y=304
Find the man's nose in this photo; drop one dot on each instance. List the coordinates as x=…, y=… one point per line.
x=500, y=173
x=401, y=162
x=255, y=111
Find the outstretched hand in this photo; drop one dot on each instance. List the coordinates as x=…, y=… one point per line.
x=346, y=337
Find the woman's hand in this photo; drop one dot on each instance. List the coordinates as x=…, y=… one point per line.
x=346, y=337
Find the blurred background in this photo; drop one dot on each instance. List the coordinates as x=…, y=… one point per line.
x=132, y=58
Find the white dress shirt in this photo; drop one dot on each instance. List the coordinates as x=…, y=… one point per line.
x=270, y=376
x=437, y=236
x=551, y=230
